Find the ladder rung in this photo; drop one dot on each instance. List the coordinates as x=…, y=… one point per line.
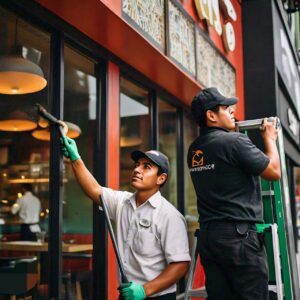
x=268, y=193
x=200, y=292
x=273, y=288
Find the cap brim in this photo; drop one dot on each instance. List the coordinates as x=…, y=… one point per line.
x=229, y=101
x=136, y=155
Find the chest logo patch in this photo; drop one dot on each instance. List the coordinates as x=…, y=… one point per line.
x=197, y=158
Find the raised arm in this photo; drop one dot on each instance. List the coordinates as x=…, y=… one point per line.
x=86, y=180
x=269, y=134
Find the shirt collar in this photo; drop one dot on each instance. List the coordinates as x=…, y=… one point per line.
x=154, y=200
x=206, y=130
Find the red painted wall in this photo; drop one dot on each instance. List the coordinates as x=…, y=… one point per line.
x=101, y=20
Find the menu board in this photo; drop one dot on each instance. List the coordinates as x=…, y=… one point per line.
x=212, y=68
x=147, y=15
x=181, y=38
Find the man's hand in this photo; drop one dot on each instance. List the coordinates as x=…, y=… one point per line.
x=69, y=148
x=132, y=291
x=269, y=129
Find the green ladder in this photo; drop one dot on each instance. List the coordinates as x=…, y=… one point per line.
x=278, y=228
x=280, y=246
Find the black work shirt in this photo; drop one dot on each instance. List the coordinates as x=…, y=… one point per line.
x=224, y=167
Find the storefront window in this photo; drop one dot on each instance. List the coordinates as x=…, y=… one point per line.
x=135, y=126
x=191, y=131
x=24, y=159
x=80, y=116
x=167, y=144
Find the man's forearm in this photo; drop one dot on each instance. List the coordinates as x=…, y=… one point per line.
x=171, y=274
x=88, y=183
x=273, y=171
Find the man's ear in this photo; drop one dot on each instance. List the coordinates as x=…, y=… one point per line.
x=161, y=178
x=211, y=116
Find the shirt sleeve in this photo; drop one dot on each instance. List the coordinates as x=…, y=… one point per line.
x=112, y=200
x=174, y=239
x=248, y=157
x=16, y=206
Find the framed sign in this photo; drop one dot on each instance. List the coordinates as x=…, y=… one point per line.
x=148, y=16
x=212, y=68
x=181, y=38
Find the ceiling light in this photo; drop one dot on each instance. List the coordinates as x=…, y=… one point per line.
x=17, y=121
x=74, y=131
x=19, y=75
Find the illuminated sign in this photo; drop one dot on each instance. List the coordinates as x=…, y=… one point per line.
x=209, y=10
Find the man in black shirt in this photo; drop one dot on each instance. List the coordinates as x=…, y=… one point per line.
x=224, y=167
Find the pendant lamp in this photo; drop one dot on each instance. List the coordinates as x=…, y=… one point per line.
x=19, y=75
x=18, y=121
x=74, y=131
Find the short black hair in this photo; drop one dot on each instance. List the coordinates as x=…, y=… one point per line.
x=27, y=186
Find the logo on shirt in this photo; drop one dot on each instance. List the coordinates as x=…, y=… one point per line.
x=197, y=158
x=198, y=162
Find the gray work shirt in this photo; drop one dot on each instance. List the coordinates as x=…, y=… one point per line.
x=149, y=237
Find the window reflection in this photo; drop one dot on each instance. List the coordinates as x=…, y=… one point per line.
x=23, y=159
x=135, y=126
x=167, y=144
x=191, y=131
x=80, y=112
x=80, y=115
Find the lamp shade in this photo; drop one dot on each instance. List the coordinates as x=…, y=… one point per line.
x=17, y=121
x=130, y=142
x=44, y=134
x=20, y=76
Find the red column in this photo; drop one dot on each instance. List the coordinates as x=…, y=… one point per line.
x=113, y=164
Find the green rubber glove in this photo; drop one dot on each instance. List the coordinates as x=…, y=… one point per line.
x=132, y=291
x=69, y=148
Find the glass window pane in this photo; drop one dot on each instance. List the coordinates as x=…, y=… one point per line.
x=80, y=115
x=24, y=159
x=135, y=127
x=191, y=131
x=167, y=144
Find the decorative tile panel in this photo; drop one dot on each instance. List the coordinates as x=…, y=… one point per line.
x=213, y=69
x=181, y=38
x=149, y=16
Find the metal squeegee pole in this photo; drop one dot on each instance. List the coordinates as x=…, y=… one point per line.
x=124, y=278
x=253, y=124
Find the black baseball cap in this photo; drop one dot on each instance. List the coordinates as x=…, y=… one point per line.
x=155, y=156
x=207, y=99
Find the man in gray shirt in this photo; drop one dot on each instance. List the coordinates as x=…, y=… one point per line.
x=151, y=233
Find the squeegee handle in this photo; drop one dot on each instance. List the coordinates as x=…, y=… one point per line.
x=50, y=118
x=124, y=278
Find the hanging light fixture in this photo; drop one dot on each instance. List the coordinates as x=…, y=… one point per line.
x=74, y=131
x=18, y=121
x=19, y=75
